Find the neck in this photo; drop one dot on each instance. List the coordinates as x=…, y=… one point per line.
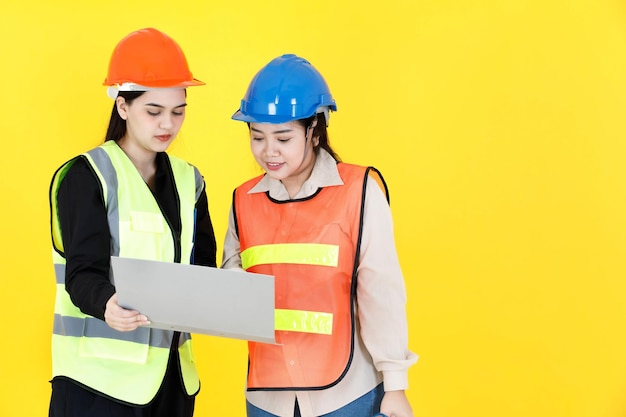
x=294, y=184
x=144, y=161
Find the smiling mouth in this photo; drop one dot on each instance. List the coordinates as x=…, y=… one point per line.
x=274, y=165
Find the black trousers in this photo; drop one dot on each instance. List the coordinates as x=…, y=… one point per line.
x=70, y=399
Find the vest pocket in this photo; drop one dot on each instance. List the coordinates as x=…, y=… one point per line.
x=145, y=236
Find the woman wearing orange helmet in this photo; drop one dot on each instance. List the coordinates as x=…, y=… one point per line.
x=323, y=229
x=127, y=198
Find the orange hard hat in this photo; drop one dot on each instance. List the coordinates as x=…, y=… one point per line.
x=149, y=58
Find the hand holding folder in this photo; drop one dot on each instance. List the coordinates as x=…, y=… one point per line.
x=197, y=299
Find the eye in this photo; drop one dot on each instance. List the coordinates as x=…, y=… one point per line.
x=153, y=113
x=178, y=113
x=283, y=140
x=257, y=138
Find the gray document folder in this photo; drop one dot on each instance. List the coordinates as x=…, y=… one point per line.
x=197, y=299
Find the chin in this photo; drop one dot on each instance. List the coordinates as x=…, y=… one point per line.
x=274, y=175
x=161, y=147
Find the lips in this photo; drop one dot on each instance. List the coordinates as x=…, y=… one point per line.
x=163, y=138
x=274, y=166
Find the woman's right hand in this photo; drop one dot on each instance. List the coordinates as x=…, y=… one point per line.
x=121, y=319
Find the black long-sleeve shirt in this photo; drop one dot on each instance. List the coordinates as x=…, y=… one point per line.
x=87, y=240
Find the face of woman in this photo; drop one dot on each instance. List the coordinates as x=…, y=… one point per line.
x=284, y=151
x=152, y=120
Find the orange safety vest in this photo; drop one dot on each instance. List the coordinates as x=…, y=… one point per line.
x=311, y=247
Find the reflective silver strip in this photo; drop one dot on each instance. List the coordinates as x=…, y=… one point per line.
x=93, y=327
x=199, y=183
x=59, y=271
x=106, y=169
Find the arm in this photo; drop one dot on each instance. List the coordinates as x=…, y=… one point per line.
x=381, y=299
x=86, y=238
x=87, y=242
x=231, y=258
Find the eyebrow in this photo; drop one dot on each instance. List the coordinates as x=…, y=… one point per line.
x=162, y=107
x=274, y=132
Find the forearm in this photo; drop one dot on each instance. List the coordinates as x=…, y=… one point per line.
x=231, y=257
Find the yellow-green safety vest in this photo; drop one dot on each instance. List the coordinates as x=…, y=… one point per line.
x=127, y=366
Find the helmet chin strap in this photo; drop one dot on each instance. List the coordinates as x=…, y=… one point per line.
x=326, y=111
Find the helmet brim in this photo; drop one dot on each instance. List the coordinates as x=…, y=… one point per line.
x=156, y=84
x=273, y=119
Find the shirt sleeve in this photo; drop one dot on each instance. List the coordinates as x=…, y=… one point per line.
x=381, y=293
x=231, y=257
x=205, y=247
x=86, y=240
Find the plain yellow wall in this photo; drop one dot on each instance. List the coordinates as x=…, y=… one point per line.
x=498, y=125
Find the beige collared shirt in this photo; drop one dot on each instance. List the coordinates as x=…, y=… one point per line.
x=381, y=345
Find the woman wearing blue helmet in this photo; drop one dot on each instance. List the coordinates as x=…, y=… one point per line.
x=323, y=229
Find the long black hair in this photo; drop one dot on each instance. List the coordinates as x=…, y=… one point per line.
x=117, y=125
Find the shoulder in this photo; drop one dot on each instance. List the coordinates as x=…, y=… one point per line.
x=251, y=183
x=347, y=170
x=173, y=160
x=75, y=179
x=371, y=177
x=176, y=163
x=76, y=167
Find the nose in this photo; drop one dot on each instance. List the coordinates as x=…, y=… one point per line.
x=166, y=121
x=270, y=148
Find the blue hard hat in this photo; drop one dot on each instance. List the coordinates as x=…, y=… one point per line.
x=287, y=88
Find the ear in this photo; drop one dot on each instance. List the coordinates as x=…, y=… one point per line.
x=315, y=140
x=122, y=107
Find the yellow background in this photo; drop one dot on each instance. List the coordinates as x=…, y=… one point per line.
x=498, y=125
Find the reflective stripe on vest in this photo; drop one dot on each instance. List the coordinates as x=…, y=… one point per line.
x=295, y=253
x=303, y=321
x=311, y=247
x=86, y=349
x=290, y=253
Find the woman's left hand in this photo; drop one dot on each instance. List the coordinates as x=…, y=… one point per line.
x=396, y=404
